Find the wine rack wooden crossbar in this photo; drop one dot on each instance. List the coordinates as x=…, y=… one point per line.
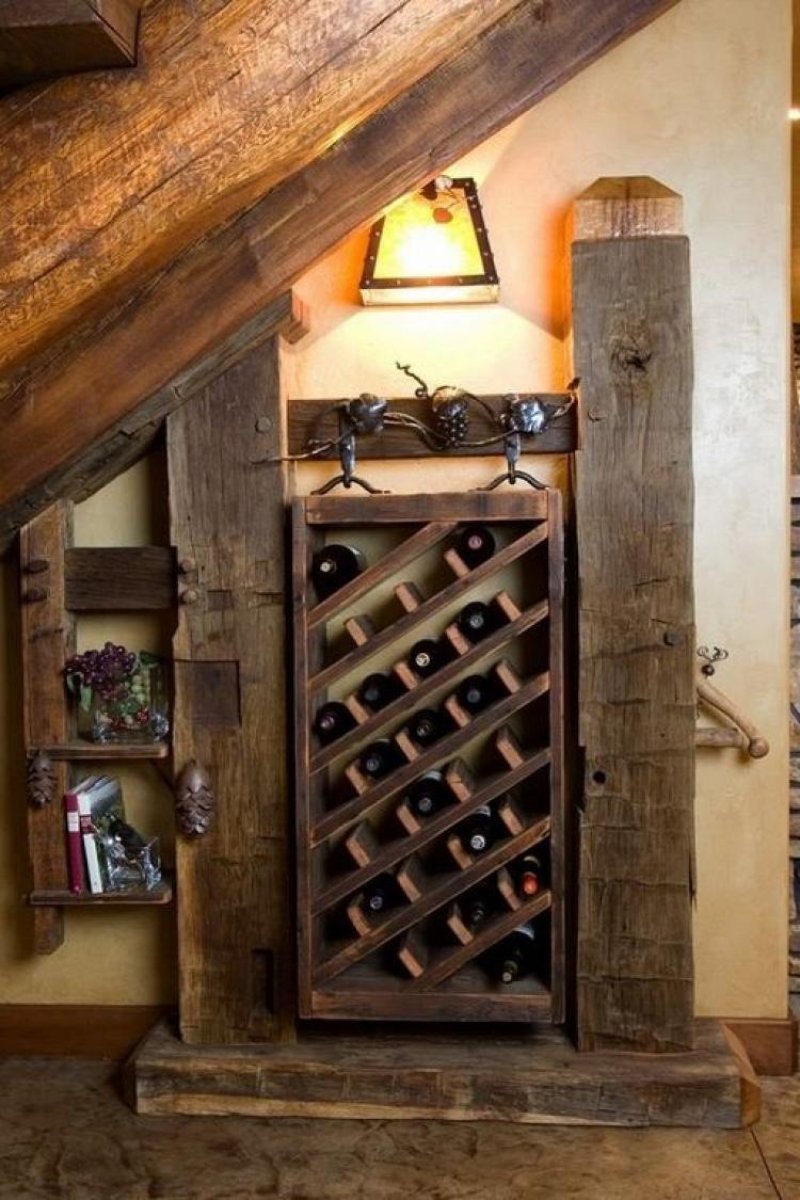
x=403, y=913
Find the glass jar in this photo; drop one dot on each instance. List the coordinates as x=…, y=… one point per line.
x=134, y=709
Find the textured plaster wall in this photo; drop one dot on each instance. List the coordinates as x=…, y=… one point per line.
x=697, y=100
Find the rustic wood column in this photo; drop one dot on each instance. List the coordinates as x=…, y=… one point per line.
x=634, y=498
x=227, y=515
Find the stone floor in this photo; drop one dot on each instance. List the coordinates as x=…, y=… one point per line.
x=65, y=1133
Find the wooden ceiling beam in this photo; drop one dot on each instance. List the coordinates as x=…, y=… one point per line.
x=43, y=38
x=92, y=383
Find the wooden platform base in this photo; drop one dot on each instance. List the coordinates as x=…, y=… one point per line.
x=534, y=1076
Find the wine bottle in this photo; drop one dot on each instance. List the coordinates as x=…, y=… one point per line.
x=477, y=907
x=378, y=689
x=475, y=544
x=427, y=725
x=528, y=876
x=478, y=832
x=476, y=621
x=381, y=893
x=517, y=954
x=428, y=794
x=475, y=693
x=428, y=656
x=333, y=566
x=332, y=720
x=379, y=758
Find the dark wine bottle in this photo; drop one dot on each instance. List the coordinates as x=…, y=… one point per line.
x=475, y=693
x=528, y=875
x=477, y=907
x=427, y=725
x=428, y=794
x=475, y=544
x=379, y=758
x=428, y=656
x=333, y=566
x=378, y=690
x=517, y=954
x=381, y=893
x=478, y=832
x=476, y=621
x=332, y=720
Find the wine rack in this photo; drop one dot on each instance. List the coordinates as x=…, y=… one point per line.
x=419, y=957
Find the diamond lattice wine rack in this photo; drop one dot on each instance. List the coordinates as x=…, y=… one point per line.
x=430, y=819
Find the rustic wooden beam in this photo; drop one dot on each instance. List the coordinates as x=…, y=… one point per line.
x=124, y=442
x=315, y=419
x=209, y=291
x=634, y=505
x=43, y=38
x=152, y=160
x=236, y=960
x=48, y=638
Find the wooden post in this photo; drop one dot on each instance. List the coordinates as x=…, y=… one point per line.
x=236, y=956
x=48, y=638
x=633, y=351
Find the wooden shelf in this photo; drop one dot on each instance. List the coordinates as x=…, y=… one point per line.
x=161, y=894
x=393, y=964
x=105, y=751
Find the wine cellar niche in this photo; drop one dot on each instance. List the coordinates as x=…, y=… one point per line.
x=429, y=773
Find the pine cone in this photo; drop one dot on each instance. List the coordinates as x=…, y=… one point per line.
x=41, y=780
x=194, y=801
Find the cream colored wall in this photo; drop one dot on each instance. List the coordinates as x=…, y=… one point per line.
x=697, y=100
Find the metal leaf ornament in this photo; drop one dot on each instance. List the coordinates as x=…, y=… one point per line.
x=367, y=413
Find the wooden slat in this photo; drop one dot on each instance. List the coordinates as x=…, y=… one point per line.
x=48, y=639
x=447, y=963
x=634, y=499
x=83, y=751
x=226, y=277
x=459, y=506
x=397, y=441
x=427, y=688
x=394, y=560
x=346, y=814
x=427, y=610
x=160, y=894
x=234, y=929
x=439, y=893
x=129, y=578
x=429, y=831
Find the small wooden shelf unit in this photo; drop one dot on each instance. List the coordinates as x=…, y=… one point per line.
x=418, y=959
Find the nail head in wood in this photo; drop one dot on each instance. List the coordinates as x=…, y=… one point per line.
x=189, y=595
x=187, y=565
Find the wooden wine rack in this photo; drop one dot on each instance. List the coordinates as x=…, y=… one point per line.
x=419, y=959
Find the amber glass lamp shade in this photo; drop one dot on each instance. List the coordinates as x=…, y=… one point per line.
x=431, y=248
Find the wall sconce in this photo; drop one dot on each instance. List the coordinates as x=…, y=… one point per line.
x=431, y=248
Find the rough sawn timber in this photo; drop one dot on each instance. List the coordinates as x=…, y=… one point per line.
x=534, y=1077
x=202, y=296
x=634, y=504
x=235, y=945
x=41, y=38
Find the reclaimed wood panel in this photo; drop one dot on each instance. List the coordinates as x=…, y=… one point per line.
x=120, y=578
x=48, y=639
x=42, y=38
x=634, y=503
x=229, y=276
x=236, y=962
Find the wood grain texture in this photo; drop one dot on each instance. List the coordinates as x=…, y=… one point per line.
x=771, y=1044
x=43, y=38
x=254, y=93
x=120, y=578
x=127, y=438
x=528, y=1077
x=229, y=276
x=634, y=500
x=235, y=944
x=48, y=638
